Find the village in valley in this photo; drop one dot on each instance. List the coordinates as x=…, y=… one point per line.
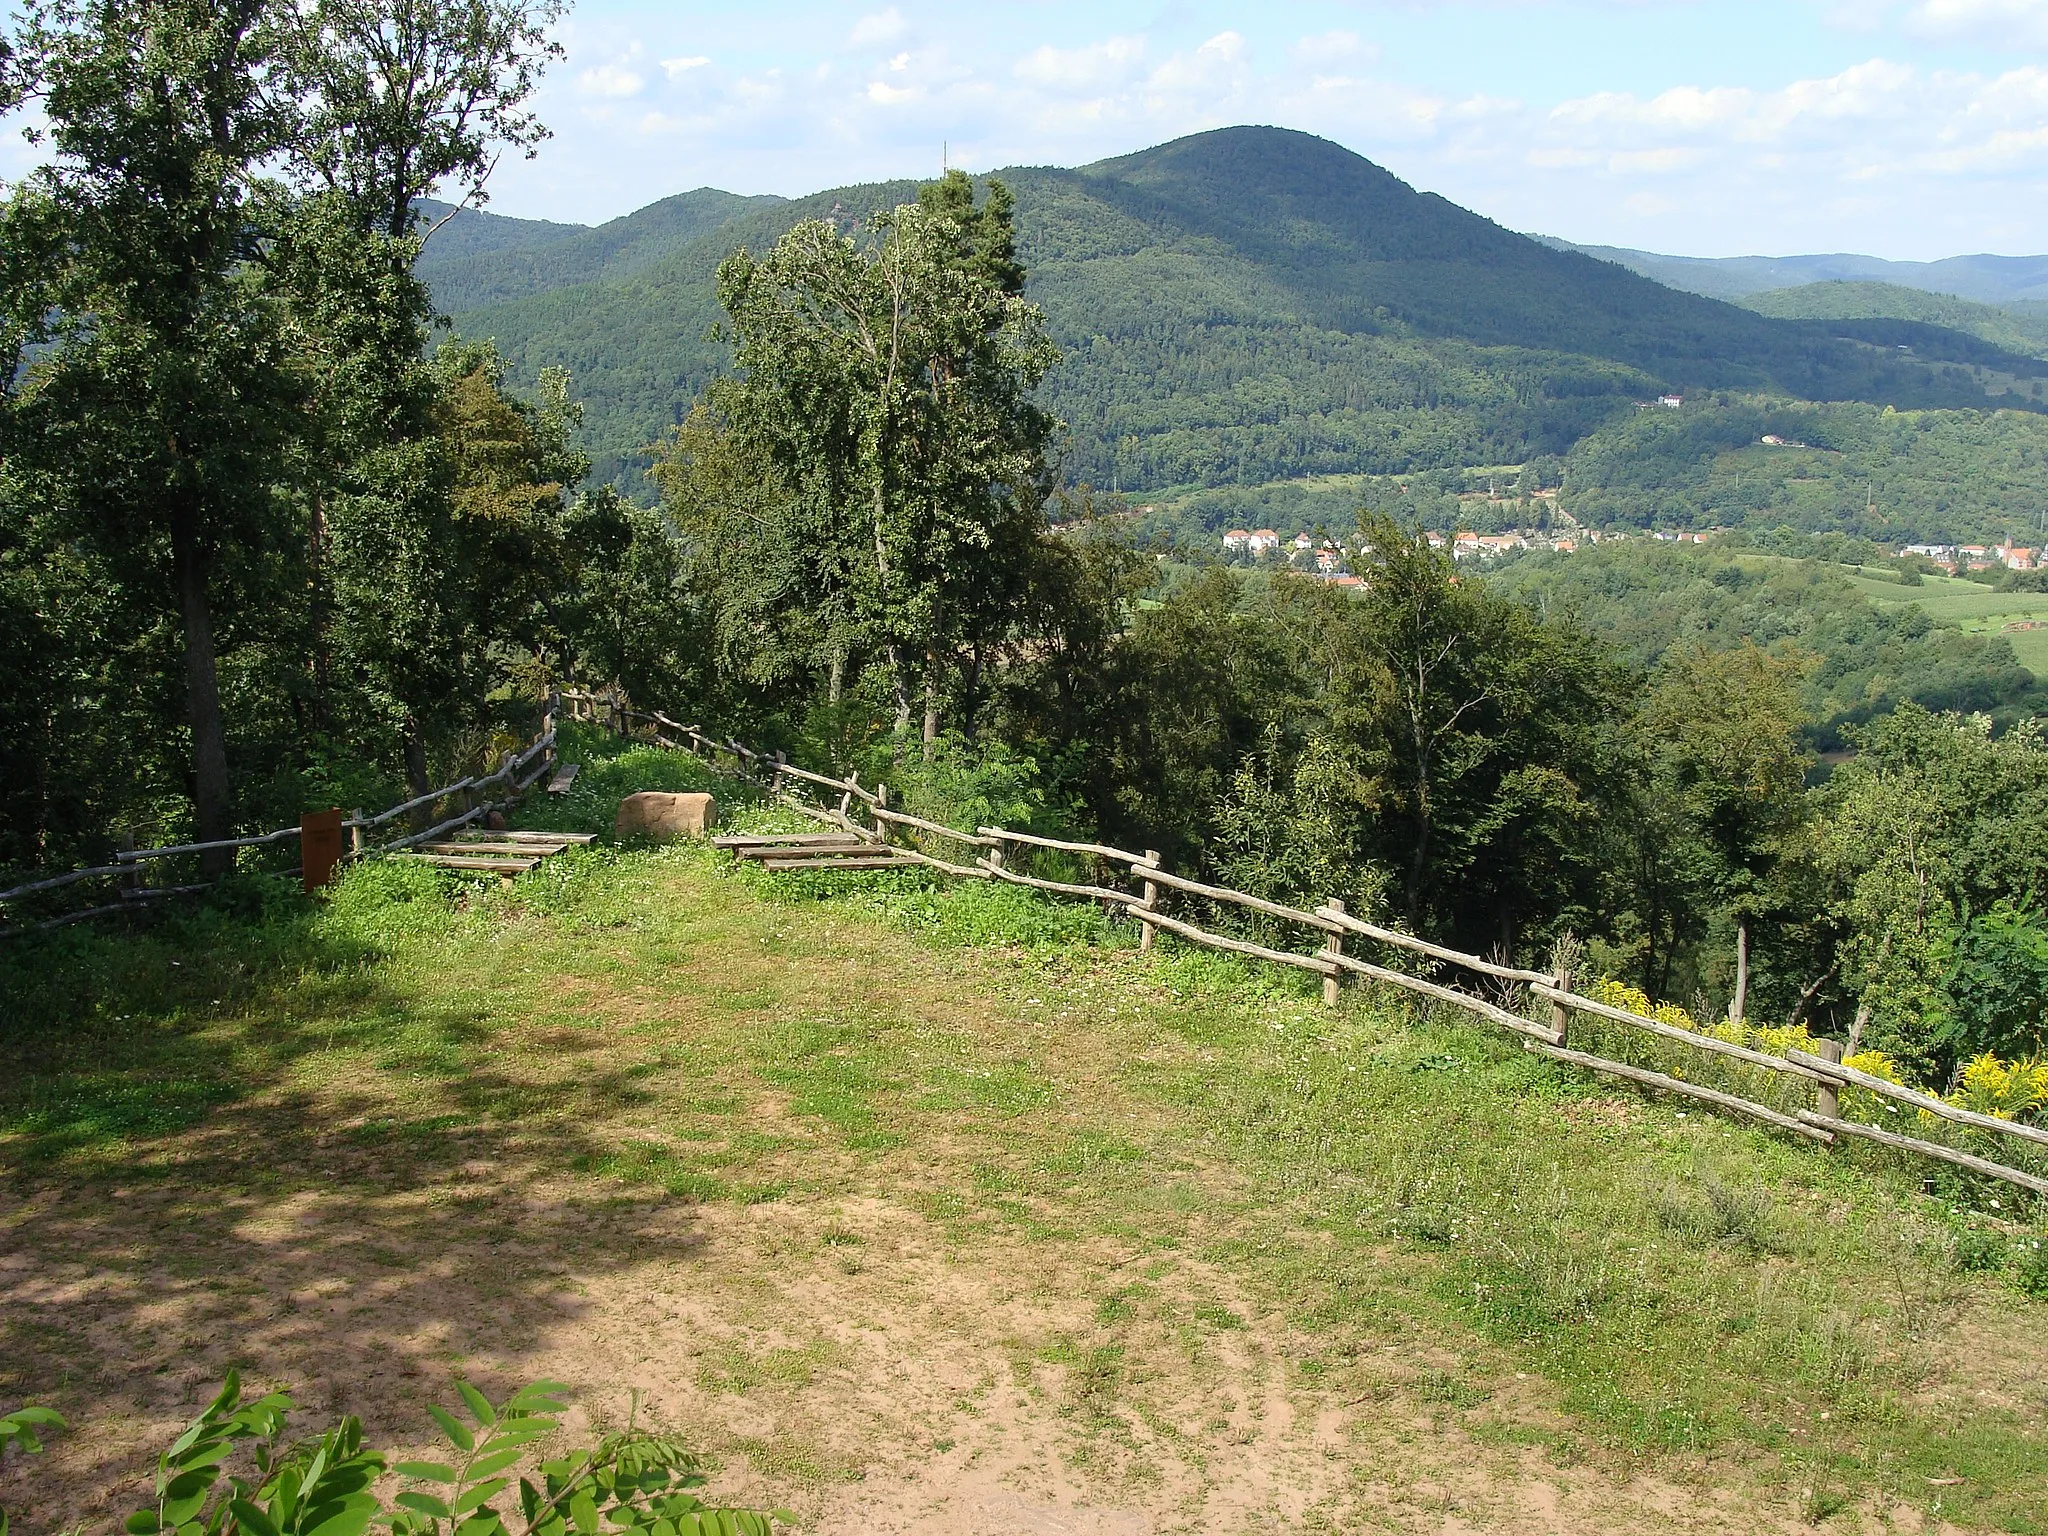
x=1331, y=558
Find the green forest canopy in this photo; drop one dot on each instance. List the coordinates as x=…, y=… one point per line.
x=1235, y=308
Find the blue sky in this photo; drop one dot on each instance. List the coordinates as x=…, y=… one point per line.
x=1905, y=128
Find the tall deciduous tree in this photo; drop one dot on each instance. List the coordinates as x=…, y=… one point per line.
x=888, y=380
x=1725, y=730
x=153, y=411
x=400, y=99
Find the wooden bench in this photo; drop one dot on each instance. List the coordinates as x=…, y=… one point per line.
x=564, y=777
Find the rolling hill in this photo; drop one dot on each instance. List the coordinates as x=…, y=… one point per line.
x=2011, y=329
x=1240, y=306
x=1986, y=279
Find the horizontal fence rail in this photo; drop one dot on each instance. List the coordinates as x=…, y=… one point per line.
x=128, y=862
x=892, y=827
x=891, y=830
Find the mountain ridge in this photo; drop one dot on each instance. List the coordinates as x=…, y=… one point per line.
x=1235, y=306
x=1982, y=278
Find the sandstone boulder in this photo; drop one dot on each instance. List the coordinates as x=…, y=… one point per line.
x=662, y=817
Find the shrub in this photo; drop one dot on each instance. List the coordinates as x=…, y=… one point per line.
x=632, y=1481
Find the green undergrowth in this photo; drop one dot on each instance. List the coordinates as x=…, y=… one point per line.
x=1363, y=1179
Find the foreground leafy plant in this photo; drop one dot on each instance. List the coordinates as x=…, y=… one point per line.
x=631, y=1480
x=18, y=1428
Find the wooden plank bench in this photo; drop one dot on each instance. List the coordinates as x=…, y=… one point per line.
x=506, y=867
x=870, y=861
x=737, y=843
x=492, y=845
x=578, y=839
x=564, y=777
x=846, y=850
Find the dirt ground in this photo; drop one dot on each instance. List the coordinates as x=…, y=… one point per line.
x=844, y=1346
x=840, y=1357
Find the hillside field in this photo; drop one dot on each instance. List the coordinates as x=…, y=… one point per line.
x=1974, y=608
x=944, y=1209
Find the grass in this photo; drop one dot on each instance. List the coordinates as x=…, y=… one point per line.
x=1971, y=606
x=970, y=1144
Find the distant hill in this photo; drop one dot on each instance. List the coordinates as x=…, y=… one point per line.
x=2014, y=330
x=490, y=259
x=1236, y=307
x=1986, y=279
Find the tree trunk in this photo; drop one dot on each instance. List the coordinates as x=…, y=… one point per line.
x=416, y=770
x=316, y=573
x=902, y=687
x=1856, y=1029
x=1738, y=1003
x=931, y=702
x=835, y=678
x=202, y=700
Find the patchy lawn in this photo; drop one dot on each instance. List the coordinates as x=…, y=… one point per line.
x=943, y=1209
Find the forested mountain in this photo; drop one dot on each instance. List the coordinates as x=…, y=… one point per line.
x=1240, y=306
x=1986, y=279
x=2010, y=329
x=481, y=258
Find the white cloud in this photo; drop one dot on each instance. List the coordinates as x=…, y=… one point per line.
x=1096, y=66
x=1328, y=47
x=2020, y=22
x=878, y=27
x=612, y=82
x=1900, y=158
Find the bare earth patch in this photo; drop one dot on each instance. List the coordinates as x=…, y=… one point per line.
x=846, y=1284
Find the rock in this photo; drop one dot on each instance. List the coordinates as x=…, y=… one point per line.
x=495, y=821
x=661, y=816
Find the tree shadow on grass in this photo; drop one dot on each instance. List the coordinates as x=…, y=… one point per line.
x=188, y=1184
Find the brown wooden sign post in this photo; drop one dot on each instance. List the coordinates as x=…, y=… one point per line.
x=319, y=847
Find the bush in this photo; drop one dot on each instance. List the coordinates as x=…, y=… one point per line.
x=632, y=1481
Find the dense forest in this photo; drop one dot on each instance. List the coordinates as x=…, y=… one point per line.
x=264, y=548
x=1868, y=472
x=1238, y=307
x=2009, y=329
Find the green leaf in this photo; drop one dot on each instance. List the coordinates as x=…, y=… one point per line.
x=426, y=1471
x=473, y=1497
x=485, y=1465
x=207, y=1453
x=540, y=1397
x=425, y=1503
x=453, y=1428
x=583, y=1510
x=479, y=1405
x=186, y=1495
x=252, y=1518
x=144, y=1522
x=349, y=1520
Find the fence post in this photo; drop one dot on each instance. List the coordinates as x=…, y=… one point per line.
x=846, y=800
x=995, y=855
x=1333, y=945
x=775, y=778
x=124, y=841
x=1561, y=1016
x=1151, y=903
x=1827, y=1097
x=881, y=823
x=355, y=833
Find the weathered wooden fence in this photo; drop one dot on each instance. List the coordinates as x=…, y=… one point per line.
x=479, y=795
x=864, y=812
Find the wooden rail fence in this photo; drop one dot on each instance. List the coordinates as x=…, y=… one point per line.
x=514, y=776
x=891, y=829
x=1549, y=995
